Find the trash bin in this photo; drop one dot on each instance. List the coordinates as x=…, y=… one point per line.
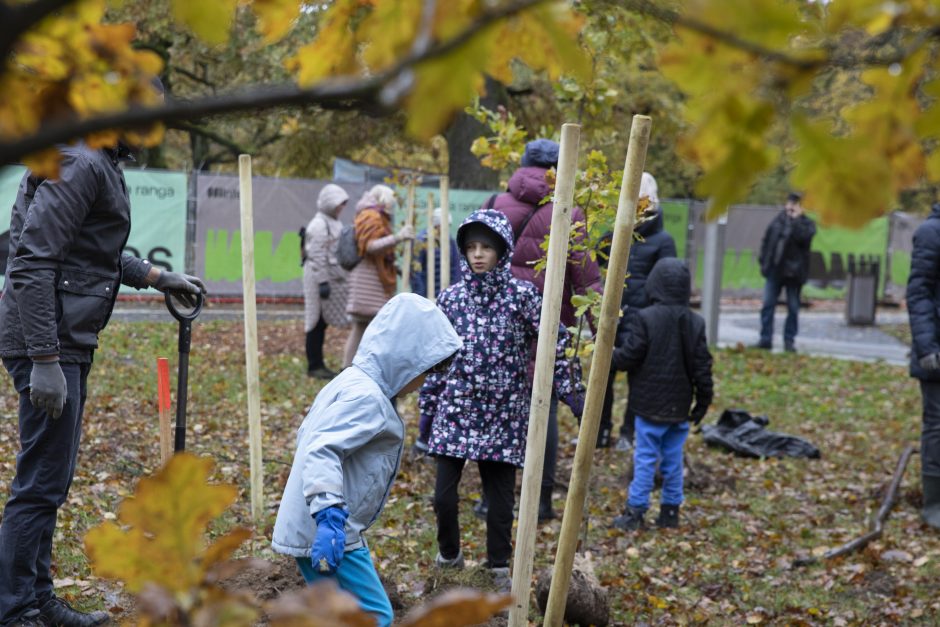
x=862, y=293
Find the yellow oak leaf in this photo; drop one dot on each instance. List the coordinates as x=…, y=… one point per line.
x=211, y=20
x=333, y=52
x=44, y=163
x=275, y=17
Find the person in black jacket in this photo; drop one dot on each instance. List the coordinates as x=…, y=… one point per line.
x=654, y=244
x=784, y=262
x=923, y=305
x=64, y=268
x=664, y=352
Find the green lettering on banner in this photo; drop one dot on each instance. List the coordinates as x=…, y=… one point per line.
x=224, y=256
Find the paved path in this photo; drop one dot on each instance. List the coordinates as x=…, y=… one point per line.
x=821, y=333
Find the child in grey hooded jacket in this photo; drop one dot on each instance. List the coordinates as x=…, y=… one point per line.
x=349, y=449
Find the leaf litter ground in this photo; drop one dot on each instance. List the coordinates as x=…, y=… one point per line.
x=743, y=523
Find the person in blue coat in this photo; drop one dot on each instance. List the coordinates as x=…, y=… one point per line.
x=923, y=305
x=419, y=259
x=349, y=448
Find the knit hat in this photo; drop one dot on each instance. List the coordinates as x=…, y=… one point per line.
x=436, y=217
x=542, y=153
x=649, y=189
x=331, y=197
x=479, y=232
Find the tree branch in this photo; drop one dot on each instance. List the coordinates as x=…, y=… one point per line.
x=19, y=18
x=382, y=89
x=231, y=145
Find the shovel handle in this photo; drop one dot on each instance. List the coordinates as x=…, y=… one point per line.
x=180, y=315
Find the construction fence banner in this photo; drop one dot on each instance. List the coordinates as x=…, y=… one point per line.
x=158, y=216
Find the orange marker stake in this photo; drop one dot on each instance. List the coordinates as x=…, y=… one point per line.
x=163, y=399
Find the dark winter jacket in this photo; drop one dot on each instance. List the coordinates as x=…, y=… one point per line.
x=65, y=259
x=656, y=244
x=923, y=295
x=419, y=265
x=528, y=190
x=480, y=408
x=664, y=352
x=784, y=249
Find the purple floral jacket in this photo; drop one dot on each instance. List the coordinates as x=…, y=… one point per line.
x=480, y=408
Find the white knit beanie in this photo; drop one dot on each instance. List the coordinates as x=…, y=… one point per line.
x=650, y=189
x=331, y=197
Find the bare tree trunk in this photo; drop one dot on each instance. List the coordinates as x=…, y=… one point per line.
x=464, y=169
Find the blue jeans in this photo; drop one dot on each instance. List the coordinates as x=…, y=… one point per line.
x=45, y=466
x=662, y=444
x=356, y=575
x=771, y=291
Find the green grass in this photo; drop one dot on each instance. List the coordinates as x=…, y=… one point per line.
x=743, y=523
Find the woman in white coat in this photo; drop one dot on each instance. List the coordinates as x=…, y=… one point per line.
x=325, y=281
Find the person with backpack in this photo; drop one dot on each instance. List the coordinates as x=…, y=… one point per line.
x=663, y=349
x=529, y=212
x=373, y=280
x=325, y=281
x=479, y=409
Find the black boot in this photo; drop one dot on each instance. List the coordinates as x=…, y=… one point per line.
x=668, y=516
x=603, y=437
x=58, y=613
x=931, y=511
x=545, y=505
x=631, y=520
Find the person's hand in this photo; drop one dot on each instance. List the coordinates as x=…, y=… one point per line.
x=330, y=541
x=324, y=289
x=575, y=401
x=47, y=388
x=697, y=414
x=181, y=284
x=930, y=362
x=405, y=232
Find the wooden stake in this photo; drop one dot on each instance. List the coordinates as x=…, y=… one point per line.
x=251, y=334
x=409, y=246
x=445, y=233
x=544, y=369
x=600, y=368
x=163, y=402
x=429, y=275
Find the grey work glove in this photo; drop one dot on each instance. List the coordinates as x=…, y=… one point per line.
x=180, y=284
x=47, y=388
x=930, y=362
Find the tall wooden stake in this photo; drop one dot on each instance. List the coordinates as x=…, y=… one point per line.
x=409, y=246
x=600, y=368
x=429, y=275
x=251, y=334
x=445, y=233
x=544, y=368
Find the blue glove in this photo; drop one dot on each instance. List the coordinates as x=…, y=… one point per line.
x=328, y=545
x=575, y=401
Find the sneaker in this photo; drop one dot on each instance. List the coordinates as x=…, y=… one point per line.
x=668, y=517
x=419, y=449
x=763, y=346
x=631, y=519
x=321, y=373
x=623, y=445
x=28, y=619
x=790, y=348
x=58, y=613
x=456, y=563
x=502, y=580
x=481, y=509
x=603, y=438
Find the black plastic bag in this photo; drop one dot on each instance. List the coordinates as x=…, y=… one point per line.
x=746, y=435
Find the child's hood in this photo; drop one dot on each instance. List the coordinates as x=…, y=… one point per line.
x=497, y=222
x=408, y=336
x=669, y=282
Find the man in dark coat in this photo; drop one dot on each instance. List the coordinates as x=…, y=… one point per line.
x=784, y=262
x=64, y=267
x=531, y=220
x=923, y=305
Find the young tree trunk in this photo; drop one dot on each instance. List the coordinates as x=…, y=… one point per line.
x=464, y=168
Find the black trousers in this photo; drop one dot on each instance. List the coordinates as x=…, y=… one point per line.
x=499, y=487
x=930, y=431
x=607, y=410
x=315, y=337
x=44, y=470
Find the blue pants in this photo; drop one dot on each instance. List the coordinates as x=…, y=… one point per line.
x=45, y=466
x=662, y=444
x=771, y=291
x=356, y=575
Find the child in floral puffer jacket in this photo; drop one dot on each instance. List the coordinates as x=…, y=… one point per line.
x=480, y=407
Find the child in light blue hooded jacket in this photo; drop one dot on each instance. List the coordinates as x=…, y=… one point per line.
x=349, y=449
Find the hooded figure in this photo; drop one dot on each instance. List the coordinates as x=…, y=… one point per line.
x=349, y=445
x=480, y=409
x=664, y=351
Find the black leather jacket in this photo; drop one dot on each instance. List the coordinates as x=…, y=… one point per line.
x=65, y=259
